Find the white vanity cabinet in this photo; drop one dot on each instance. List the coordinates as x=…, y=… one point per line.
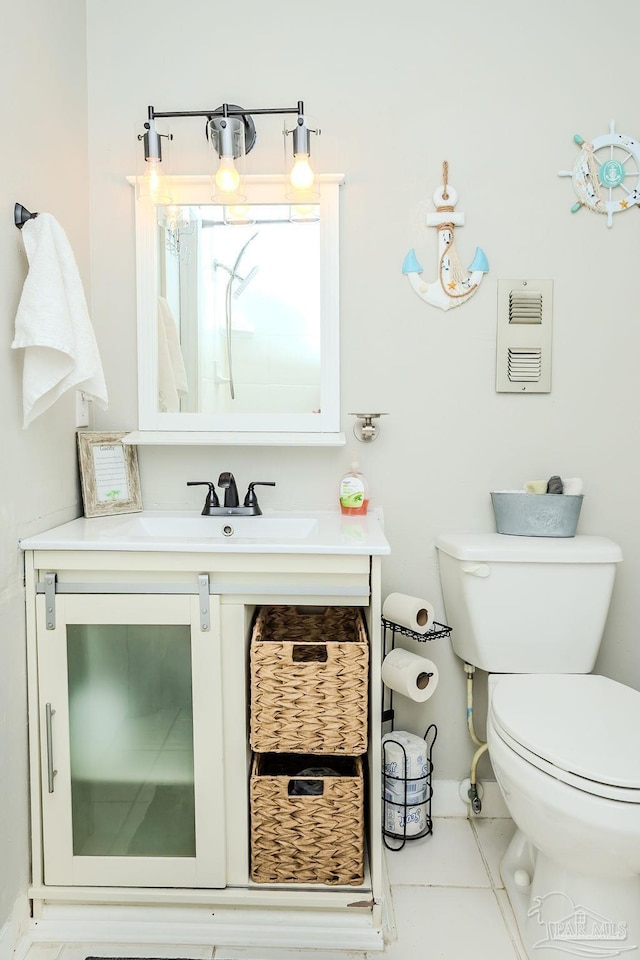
x=138, y=665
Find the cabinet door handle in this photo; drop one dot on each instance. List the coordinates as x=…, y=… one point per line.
x=49, y=712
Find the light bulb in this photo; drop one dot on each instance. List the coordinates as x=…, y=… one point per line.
x=304, y=212
x=239, y=213
x=227, y=177
x=155, y=186
x=301, y=175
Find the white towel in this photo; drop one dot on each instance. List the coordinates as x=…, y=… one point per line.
x=172, y=376
x=572, y=486
x=53, y=325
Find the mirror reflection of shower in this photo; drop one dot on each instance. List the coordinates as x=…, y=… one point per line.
x=231, y=293
x=250, y=293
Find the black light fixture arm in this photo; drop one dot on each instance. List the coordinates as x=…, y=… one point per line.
x=152, y=139
x=226, y=110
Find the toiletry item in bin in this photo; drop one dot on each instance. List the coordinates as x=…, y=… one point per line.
x=572, y=486
x=554, y=485
x=354, y=492
x=536, y=486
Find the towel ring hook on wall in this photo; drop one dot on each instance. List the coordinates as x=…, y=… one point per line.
x=21, y=215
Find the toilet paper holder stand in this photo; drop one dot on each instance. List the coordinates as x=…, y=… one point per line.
x=389, y=632
x=402, y=817
x=400, y=811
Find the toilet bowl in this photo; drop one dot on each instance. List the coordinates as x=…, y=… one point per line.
x=565, y=754
x=564, y=743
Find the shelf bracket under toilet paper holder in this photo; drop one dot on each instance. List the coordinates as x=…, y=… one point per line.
x=436, y=631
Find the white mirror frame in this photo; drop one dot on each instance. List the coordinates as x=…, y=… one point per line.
x=312, y=429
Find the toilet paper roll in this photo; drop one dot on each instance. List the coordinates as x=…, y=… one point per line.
x=410, y=612
x=405, y=822
x=410, y=675
x=404, y=755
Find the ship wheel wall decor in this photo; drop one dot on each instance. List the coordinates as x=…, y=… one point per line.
x=606, y=175
x=453, y=286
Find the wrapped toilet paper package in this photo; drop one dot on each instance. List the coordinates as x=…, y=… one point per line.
x=410, y=675
x=406, y=768
x=404, y=755
x=400, y=821
x=410, y=612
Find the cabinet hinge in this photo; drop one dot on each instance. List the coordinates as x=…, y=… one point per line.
x=203, y=601
x=50, y=600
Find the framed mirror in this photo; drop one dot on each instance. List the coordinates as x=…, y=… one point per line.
x=238, y=313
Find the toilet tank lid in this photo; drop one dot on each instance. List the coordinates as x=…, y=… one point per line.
x=500, y=546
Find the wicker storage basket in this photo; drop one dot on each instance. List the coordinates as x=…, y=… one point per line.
x=309, y=681
x=317, y=838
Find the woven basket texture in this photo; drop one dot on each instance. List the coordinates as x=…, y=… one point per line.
x=309, y=681
x=307, y=839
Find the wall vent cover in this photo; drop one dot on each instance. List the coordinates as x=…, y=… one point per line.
x=525, y=306
x=525, y=312
x=525, y=364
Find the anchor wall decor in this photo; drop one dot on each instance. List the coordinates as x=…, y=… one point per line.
x=453, y=286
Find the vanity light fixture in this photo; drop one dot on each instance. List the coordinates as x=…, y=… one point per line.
x=152, y=184
x=232, y=134
x=301, y=186
x=227, y=140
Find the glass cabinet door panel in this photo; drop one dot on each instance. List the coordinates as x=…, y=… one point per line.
x=131, y=740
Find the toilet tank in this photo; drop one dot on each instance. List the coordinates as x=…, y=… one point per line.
x=527, y=604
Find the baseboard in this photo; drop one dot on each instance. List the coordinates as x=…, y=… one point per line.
x=231, y=928
x=12, y=934
x=447, y=802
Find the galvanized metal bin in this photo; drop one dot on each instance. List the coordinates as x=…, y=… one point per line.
x=522, y=514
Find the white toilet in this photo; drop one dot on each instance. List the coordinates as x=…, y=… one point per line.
x=564, y=744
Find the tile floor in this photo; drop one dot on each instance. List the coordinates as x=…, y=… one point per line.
x=448, y=898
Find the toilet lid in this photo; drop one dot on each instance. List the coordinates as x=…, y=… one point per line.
x=582, y=729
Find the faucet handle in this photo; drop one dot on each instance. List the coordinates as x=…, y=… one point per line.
x=211, y=500
x=251, y=499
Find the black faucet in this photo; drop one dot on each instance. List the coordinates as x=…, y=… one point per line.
x=231, y=507
x=227, y=482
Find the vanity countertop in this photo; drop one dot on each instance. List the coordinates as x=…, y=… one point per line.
x=322, y=532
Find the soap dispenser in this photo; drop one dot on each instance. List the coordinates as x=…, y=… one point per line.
x=354, y=492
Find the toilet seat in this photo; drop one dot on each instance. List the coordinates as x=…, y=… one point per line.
x=581, y=729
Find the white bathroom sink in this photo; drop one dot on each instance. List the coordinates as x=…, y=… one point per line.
x=244, y=528
x=274, y=532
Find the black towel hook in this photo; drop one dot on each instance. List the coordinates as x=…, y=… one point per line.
x=21, y=215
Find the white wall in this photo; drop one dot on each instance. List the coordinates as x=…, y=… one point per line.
x=43, y=115
x=498, y=90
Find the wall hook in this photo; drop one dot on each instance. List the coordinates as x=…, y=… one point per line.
x=21, y=215
x=364, y=428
